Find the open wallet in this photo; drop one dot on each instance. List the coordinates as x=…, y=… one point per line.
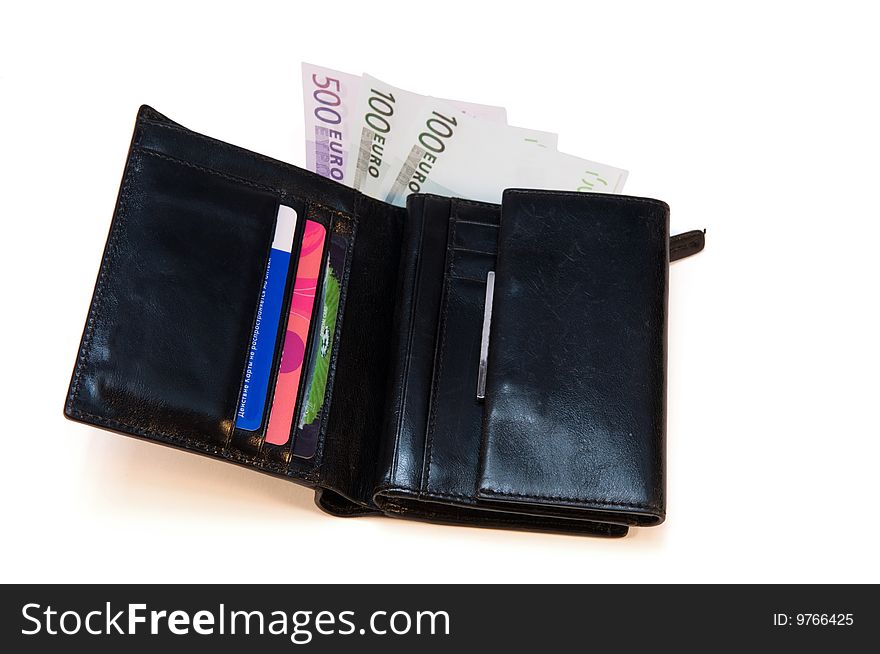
x=489, y=365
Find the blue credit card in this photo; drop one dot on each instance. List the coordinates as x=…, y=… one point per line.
x=261, y=353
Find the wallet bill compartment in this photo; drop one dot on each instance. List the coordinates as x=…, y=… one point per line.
x=433, y=422
x=571, y=434
x=164, y=348
x=301, y=454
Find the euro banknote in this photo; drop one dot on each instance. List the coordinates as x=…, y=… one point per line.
x=500, y=166
x=459, y=155
x=389, y=142
x=330, y=101
x=565, y=172
x=385, y=115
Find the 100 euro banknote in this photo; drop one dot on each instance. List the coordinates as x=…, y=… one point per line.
x=453, y=154
x=386, y=115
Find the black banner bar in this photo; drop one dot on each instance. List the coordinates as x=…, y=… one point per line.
x=436, y=618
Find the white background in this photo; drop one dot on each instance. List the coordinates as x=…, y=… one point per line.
x=758, y=122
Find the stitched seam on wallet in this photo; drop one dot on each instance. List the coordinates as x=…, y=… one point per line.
x=477, y=222
x=631, y=505
x=450, y=271
x=189, y=443
x=474, y=498
x=255, y=155
x=216, y=143
x=471, y=203
x=458, y=248
x=596, y=197
x=567, y=527
x=468, y=279
x=240, y=180
x=565, y=523
x=106, y=264
x=395, y=508
x=211, y=171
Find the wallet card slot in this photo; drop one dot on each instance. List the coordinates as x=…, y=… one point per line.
x=470, y=264
x=325, y=332
x=253, y=441
x=417, y=307
x=438, y=312
x=295, y=337
x=454, y=428
x=165, y=344
x=299, y=456
x=474, y=236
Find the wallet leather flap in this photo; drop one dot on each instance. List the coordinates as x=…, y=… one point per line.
x=164, y=351
x=575, y=396
x=164, y=348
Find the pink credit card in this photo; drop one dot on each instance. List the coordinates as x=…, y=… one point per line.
x=294, y=349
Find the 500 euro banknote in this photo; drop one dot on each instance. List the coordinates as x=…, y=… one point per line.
x=330, y=98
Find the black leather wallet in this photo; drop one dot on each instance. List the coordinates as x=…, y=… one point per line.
x=546, y=412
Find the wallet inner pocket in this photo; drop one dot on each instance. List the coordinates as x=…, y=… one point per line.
x=166, y=339
x=308, y=343
x=268, y=336
x=325, y=334
x=291, y=435
x=453, y=430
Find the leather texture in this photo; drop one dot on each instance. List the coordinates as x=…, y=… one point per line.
x=576, y=386
x=571, y=435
